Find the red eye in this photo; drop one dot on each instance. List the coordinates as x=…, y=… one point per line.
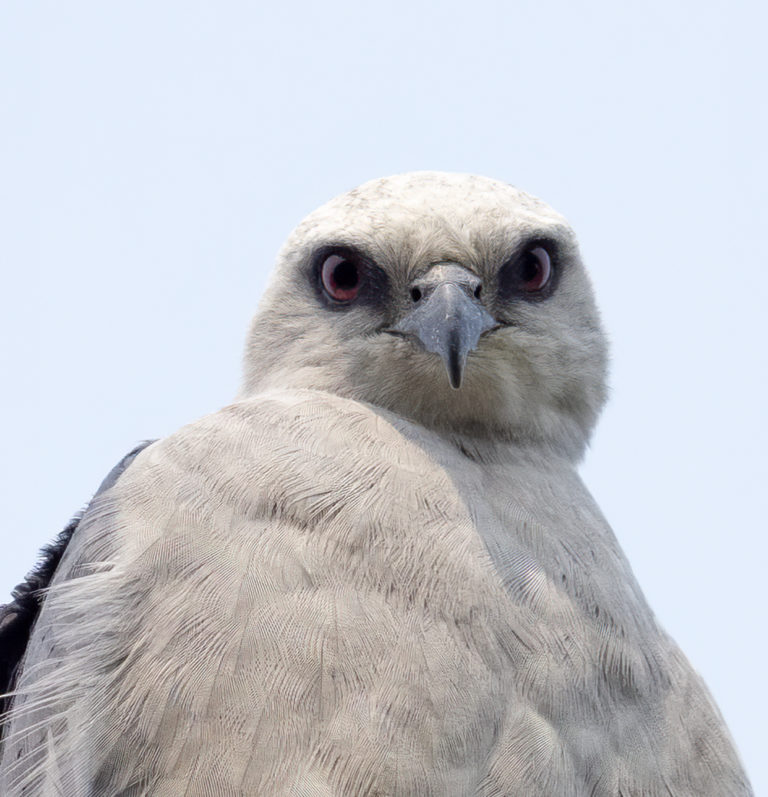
x=527, y=276
x=340, y=275
x=535, y=270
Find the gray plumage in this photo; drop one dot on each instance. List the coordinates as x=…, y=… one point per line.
x=358, y=580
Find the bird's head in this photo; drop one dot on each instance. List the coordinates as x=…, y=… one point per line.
x=456, y=301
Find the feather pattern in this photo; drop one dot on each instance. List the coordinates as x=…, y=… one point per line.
x=345, y=583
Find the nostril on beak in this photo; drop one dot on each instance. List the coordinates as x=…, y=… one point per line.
x=478, y=291
x=416, y=294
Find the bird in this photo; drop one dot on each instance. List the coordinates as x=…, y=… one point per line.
x=377, y=571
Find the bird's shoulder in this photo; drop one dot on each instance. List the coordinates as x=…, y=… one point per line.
x=272, y=446
x=233, y=545
x=277, y=471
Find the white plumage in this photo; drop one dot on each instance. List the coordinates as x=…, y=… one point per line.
x=358, y=580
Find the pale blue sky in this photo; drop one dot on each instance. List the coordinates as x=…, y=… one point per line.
x=155, y=155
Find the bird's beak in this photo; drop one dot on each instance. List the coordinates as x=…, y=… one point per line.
x=448, y=317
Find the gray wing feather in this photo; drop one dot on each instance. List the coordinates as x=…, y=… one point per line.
x=17, y=618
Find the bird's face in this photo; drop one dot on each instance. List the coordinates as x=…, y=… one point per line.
x=456, y=301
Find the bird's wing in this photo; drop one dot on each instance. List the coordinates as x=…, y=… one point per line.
x=291, y=597
x=285, y=592
x=18, y=617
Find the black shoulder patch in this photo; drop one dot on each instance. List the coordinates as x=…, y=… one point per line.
x=18, y=617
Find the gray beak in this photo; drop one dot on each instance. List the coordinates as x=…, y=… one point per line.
x=448, y=317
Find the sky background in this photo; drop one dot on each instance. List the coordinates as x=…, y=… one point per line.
x=154, y=155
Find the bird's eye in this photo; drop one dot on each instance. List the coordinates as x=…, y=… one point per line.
x=529, y=274
x=535, y=269
x=340, y=275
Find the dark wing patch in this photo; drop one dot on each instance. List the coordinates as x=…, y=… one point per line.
x=18, y=616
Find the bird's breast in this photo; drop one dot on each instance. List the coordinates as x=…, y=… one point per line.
x=306, y=595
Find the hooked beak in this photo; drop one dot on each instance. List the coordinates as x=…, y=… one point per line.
x=448, y=318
